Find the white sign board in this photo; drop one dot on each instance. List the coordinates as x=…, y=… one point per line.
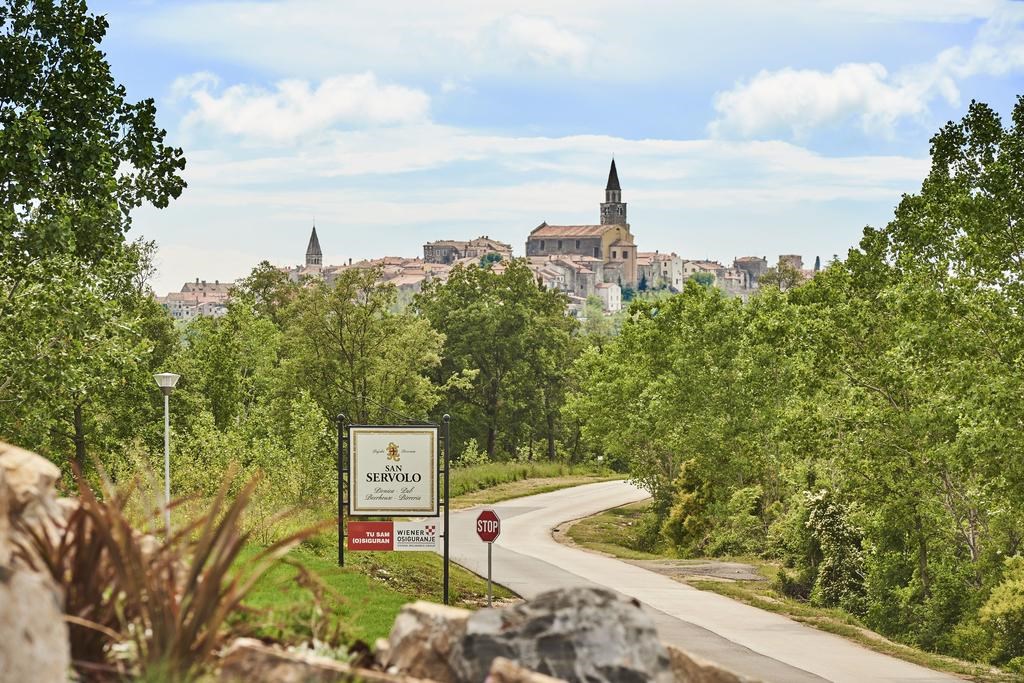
x=393, y=471
x=415, y=535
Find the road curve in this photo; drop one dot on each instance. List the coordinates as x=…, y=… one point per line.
x=746, y=639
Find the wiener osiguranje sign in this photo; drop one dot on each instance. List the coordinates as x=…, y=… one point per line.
x=393, y=471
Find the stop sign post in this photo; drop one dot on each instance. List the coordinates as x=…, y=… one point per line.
x=488, y=527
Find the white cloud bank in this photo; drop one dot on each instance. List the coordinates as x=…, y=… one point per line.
x=799, y=100
x=294, y=108
x=543, y=41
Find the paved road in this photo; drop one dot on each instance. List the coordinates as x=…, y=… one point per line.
x=748, y=640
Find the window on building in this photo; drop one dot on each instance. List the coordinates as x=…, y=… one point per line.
x=542, y=244
x=559, y=244
x=615, y=254
x=577, y=244
x=597, y=253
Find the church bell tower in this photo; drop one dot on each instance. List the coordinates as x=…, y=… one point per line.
x=314, y=257
x=613, y=209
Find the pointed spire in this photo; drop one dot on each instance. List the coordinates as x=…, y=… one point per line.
x=313, y=249
x=613, y=178
x=314, y=257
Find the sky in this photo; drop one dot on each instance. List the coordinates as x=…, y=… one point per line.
x=738, y=127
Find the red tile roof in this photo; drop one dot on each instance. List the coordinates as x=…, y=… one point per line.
x=545, y=230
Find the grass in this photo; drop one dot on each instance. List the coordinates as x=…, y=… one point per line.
x=547, y=475
x=615, y=532
x=526, y=487
x=310, y=597
x=355, y=607
x=356, y=602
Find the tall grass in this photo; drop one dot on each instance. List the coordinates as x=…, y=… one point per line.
x=478, y=477
x=145, y=607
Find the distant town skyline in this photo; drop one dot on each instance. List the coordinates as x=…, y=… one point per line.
x=739, y=129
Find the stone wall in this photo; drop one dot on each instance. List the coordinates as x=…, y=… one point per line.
x=33, y=636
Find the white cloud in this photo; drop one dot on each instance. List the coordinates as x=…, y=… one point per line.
x=605, y=39
x=543, y=41
x=183, y=86
x=798, y=100
x=295, y=108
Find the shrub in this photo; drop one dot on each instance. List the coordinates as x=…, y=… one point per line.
x=970, y=640
x=840, y=579
x=1003, y=613
x=688, y=523
x=471, y=455
x=742, y=530
x=647, y=533
x=797, y=585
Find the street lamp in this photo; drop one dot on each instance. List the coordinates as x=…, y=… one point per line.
x=166, y=382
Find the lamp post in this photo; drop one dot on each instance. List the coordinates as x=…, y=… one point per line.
x=166, y=382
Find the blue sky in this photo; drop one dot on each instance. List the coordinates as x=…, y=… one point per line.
x=738, y=127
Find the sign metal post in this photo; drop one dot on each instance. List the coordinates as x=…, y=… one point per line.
x=488, y=528
x=447, y=419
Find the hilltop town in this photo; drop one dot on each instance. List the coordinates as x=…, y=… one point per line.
x=585, y=261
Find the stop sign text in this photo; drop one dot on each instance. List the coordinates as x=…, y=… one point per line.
x=488, y=526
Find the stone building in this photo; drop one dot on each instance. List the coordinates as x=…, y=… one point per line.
x=576, y=275
x=755, y=267
x=610, y=295
x=795, y=261
x=450, y=251
x=610, y=241
x=197, y=299
x=656, y=270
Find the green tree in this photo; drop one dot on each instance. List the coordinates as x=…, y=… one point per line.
x=228, y=364
x=703, y=279
x=783, y=276
x=488, y=260
x=76, y=159
x=355, y=356
x=598, y=328
x=515, y=339
x=76, y=353
x=267, y=290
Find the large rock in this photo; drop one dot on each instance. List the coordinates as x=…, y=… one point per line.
x=506, y=671
x=27, y=494
x=688, y=668
x=581, y=635
x=33, y=636
x=248, y=660
x=426, y=640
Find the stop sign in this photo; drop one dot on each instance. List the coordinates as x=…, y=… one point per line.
x=488, y=526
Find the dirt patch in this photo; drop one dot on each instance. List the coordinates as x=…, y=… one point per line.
x=561, y=534
x=705, y=570
x=683, y=570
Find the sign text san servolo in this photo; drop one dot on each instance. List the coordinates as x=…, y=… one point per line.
x=393, y=471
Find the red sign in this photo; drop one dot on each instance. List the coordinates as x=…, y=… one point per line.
x=488, y=526
x=371, y=536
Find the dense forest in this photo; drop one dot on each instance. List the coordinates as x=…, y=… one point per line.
x=863, y=427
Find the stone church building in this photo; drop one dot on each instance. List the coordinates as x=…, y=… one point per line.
x=610, y=242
